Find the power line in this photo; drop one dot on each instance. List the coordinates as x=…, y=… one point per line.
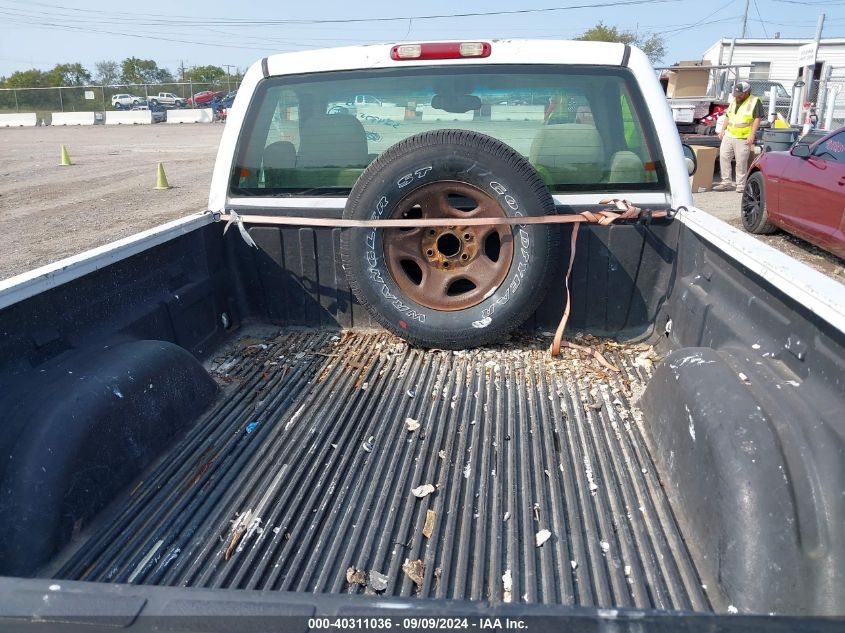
x=819, y=3
x=195, y=21
x=760, y=19
x=701, y=22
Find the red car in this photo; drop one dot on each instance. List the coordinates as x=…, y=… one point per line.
x=206, y=96
x=801, y=191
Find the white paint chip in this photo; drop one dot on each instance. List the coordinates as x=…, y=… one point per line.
x=507, y=585
x=541, y=537
x=422, y=491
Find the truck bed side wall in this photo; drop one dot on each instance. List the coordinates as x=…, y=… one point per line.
x=746, y=424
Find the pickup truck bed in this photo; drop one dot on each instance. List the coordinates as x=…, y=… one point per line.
x=304, y=467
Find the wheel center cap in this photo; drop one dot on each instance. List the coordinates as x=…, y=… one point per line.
x=450, y=248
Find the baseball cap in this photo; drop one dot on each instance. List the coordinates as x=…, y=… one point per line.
x=741, y=86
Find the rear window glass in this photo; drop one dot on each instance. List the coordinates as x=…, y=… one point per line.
x=583, y=128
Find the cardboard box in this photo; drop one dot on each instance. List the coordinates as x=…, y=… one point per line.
x=690, y=80
x=702, y=179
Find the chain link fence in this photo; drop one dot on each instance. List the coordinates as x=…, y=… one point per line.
x=830, y=101
x=44, y=101
x=824, y=102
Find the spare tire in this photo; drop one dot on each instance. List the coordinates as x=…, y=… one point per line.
x=458, y=286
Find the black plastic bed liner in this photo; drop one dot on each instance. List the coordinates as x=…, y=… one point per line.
x=300, y=478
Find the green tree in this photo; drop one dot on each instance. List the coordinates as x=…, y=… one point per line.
x=108, y=72
x=69, y=75
x=143, y=71
x=651, y=44
x=206, y=74
x=32, y=78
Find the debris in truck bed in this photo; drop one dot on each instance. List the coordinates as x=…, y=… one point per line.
x=430, y=518
x=411, y=424
x=643, y=360
x=355, y=576
x=507, y=586
x=356, y=443
x=239, y=528
x=541, y=537
x=377, y=581
x=423, y=491
x=588, y=471
x=415, y=570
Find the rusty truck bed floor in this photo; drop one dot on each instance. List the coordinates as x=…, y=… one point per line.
x=300, y=478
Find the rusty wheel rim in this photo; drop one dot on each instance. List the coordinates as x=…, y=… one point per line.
x=449, y=268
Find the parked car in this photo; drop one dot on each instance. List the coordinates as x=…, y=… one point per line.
x=221, y=106
x=125, y=100
x=159, y=112
x=762, y=88
x=204, y=97
x=168, y=99
x=801, y=191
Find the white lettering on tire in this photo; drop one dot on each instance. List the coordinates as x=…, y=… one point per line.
x=524, y=251
x=372, y=258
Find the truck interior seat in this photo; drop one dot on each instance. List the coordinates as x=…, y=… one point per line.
x=626, y=167
x=569, y=153
x=332, y=140
x=277, y=156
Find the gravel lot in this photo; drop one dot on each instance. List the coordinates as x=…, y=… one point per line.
x=49, y=212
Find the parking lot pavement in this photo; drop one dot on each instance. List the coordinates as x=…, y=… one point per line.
x=48, y=212
x=725, y=205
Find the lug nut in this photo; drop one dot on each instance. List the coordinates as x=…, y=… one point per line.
x=429, y=252
x=464, y=256
x=467, y=236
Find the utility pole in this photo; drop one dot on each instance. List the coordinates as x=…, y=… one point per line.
x=228, y=77
x=182, y=76
x=744, y=19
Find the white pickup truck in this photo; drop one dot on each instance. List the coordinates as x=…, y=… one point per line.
x=344, y=413
x=168, y=99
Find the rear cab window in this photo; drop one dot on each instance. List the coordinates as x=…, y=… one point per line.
x=583, y=128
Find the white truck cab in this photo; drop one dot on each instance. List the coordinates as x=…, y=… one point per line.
x=554, y=83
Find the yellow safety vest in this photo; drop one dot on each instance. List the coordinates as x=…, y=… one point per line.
x=740, y=119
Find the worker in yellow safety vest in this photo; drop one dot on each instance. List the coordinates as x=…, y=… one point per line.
x=743, y=117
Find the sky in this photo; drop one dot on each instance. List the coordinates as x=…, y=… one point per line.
x=40, y=34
